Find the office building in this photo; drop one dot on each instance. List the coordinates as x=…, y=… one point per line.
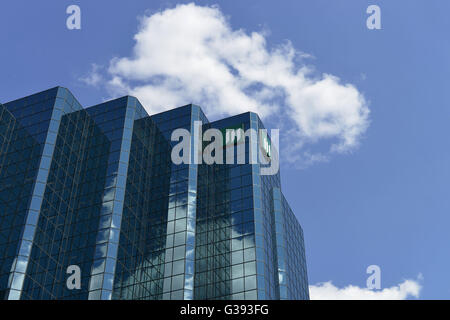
x=94, y=192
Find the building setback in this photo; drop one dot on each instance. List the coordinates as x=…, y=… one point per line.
x=96, y=188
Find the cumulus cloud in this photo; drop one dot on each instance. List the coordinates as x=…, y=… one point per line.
x=328, y=291
x=191, y=54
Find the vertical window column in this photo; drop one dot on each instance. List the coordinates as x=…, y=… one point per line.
x=19, y=267
x=280, y=247
x=107, y=243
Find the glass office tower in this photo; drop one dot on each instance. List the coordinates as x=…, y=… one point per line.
x=96, y=188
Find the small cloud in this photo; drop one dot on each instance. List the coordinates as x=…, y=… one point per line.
x=94, y=77
x=402, y=291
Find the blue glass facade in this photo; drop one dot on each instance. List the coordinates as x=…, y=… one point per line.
x=96, y=188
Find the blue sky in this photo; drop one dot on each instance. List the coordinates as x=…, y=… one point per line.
x=384, y=201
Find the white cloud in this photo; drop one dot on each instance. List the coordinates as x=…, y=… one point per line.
x=94, y=78
x=191, y=54
x=328, y=291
